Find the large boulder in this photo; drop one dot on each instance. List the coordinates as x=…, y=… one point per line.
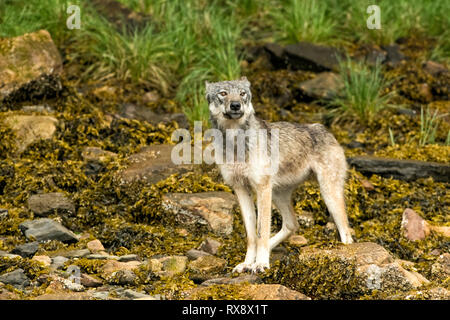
x=212, y=209
x=30, y=66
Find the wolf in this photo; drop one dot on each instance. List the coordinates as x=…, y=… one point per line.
x=303, y=149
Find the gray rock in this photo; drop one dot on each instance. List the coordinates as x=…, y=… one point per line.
x=394, y=56
x=16, y=278
x=132, y=111
x=79, y=253
x=99, y=256
x=58, y=262
x=123, y=277
x=48, y=203
x=26, y=250
x=308, y=56
x=100, y=295
x=194, y=254
x=47, y=229
x=128, y=293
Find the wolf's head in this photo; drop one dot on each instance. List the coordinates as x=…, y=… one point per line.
x=229, y=100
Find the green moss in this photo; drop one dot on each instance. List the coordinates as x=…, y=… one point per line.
x=32, y=269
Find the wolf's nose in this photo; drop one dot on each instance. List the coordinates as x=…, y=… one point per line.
x=235, y=106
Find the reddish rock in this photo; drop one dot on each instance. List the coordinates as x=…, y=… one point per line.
x=414, y=227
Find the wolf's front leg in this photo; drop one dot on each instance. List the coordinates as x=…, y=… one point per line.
x=248, y=215
x=264, y=202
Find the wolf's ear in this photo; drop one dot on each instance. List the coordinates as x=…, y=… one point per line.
x=244, y=79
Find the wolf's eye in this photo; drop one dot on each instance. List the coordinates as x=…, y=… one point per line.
x=223, y=93
x=242, y=93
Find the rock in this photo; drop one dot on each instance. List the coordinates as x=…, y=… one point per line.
x=47, y=203
x=30, y=67
x=394, y=56
x=141, y=113
x=312, y=57
x=207, y=264
x=276, y=55
x=100, y=295
x=95, y=246
x=64, y=296
x=45, y=260
x=112, y=265
x=58, y=262
x=194, y=254
x=26, y=250
x=123, y=277
x=272, y=292
x=96, y=154
x=30, y=128
x=151, y=164
x=77, y=253
x=245, y=278
x=325, y=85
x=169, y=266
x=16, y=278
x=400, y=169
x=210, y=246
x=47, y=229
x=389, y=276
x=413, y=226
x=72, y=286
x=305, y=219
x=441, y=268
x=5, y=254
x=442, y=230
x=211, y=209
x=6, y=294
x=433, y=68
x=297, y=240
x=375, y=54
x=101, y=256
x=131, y=294
x=90, y=281
x=129, y=257
x=375, y=267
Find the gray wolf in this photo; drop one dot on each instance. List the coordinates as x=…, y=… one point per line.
x=303, y=149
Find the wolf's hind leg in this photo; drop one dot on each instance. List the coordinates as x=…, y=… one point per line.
x=249, y=216
x=283, y=202
x=331, y=178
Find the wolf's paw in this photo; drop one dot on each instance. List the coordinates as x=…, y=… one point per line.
x=243, y=267
x=259, y=267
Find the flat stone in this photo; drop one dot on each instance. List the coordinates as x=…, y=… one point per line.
x=90, y=281
x=211, y=209
x=400, y=169
x=26, y=250
x=30, y=128
x=77, y=253
x=95, y=246
x=171, y=265
x=413, y=226
x=101, y=256
x=30, y=67
x=112, y=265
x=47, y=229
x=47, y=203
x=297, y=240
x=5, y=254
x=151, y=164
x=16, y=278
x=129, y=257
x=207, y=264
x=210, y=246
x=312, y=57
x=96, y=154
x=131, y=294
x=193, y=254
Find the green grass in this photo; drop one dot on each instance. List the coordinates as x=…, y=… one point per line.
x=363, y=93
x=429, y=123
